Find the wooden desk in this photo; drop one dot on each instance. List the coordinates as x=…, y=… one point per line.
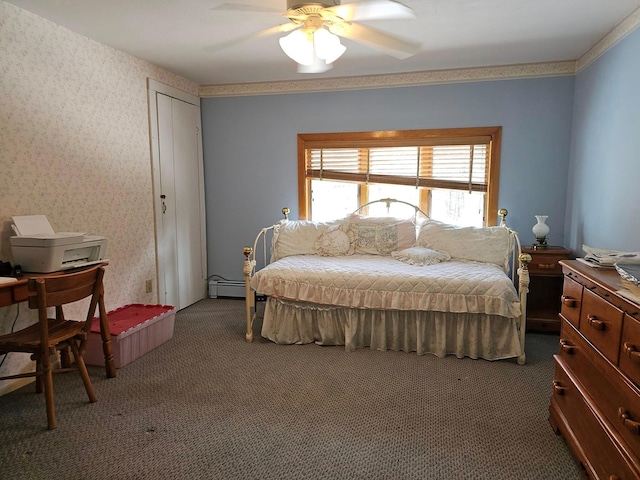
x=17, y=291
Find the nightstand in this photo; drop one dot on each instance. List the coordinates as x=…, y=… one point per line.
x=545, y=288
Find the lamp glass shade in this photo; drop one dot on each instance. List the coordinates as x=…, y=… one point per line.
x=541, y=229
x=327, y=45
x=318, y=66
x=298, y=46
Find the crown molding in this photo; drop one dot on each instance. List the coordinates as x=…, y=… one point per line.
x=505, y=72
x=411, y=79
x=623, y=29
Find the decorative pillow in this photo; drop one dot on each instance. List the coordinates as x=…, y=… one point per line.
x=420, y=256
x=296, y=237
x=336, y=240
x=480, y=244
x=381, y=235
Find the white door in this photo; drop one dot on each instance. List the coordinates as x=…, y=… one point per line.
x=179, y=196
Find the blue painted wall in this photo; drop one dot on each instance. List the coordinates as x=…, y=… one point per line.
x=604, y=178
x=250, y=149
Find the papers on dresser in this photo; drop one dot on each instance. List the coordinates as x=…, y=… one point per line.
x=599, y=257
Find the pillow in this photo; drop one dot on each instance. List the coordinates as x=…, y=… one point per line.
x=381, y=235
x=296, y=237
x=420, y=256
x=336, y=240
x=480, y=244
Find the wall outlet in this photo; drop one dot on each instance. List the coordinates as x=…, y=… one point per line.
x=149, y=285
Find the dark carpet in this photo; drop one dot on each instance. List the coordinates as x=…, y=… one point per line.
x=208, y=405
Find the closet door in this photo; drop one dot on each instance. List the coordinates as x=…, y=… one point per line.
x=179, y=197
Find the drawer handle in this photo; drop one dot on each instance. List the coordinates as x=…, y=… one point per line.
x=566, y=346
x=632, y=352
x=568, y=301
x=633, y=427
x=547, y=266
x=558, y=389
x=595, y=322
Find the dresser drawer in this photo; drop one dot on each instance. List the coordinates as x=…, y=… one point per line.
x=598, y=453
x=571, y=301
x=601, y=324
x=618, y=400
x=630, y=349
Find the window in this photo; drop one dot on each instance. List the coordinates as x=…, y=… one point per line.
x=452, y=174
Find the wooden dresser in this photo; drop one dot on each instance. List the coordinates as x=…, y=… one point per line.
x=595, y=403
x=545, y=289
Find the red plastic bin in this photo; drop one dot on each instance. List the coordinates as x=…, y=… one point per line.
x=135, y=330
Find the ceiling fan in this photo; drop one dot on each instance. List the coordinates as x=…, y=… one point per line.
x=314, y=29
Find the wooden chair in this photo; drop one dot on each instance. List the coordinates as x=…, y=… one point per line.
x=49, y=335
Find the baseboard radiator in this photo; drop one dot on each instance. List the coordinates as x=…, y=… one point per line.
x=226, y=288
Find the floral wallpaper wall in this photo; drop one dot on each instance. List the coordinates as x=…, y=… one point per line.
x=75, y=146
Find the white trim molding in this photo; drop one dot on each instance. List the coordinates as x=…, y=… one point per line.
x=411, y=79
x=627, y=26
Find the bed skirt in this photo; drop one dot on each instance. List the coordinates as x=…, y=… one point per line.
x=490, y=337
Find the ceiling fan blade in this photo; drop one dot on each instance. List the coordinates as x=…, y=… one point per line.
x=371, y=10
x=394, y=46
x=283, y=28
x=245, y=7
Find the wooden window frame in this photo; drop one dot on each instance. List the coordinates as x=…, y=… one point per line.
x=388, y=138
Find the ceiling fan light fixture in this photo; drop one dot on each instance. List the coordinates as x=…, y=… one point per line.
x=315, y=28
x=309, y=46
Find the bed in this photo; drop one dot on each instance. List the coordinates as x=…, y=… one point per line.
x=390, y=283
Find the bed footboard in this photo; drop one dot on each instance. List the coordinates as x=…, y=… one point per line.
x=249, y=297
x=251, y=261
x=521, y=269
x=523, y=290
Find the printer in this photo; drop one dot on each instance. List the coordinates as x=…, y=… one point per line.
x=37, y=248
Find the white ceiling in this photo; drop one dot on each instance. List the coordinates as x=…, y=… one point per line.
x=452, y=34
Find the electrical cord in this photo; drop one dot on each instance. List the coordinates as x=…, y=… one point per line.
x=218, y=277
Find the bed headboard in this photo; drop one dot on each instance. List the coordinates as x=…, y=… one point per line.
x=261, y=253
x=388, y=202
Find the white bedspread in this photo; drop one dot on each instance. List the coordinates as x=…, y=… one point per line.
x=383, y=283
x=474, y=335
